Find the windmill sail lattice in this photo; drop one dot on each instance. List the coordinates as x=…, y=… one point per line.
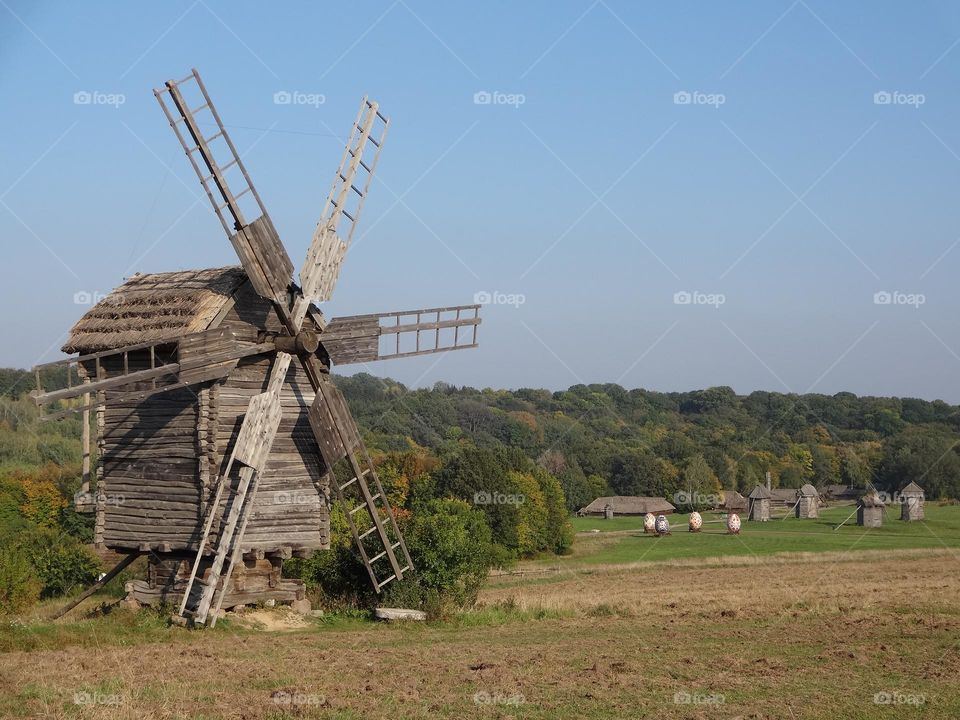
x=297, y=350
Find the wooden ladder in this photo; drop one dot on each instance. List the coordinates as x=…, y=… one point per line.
x=381, y=541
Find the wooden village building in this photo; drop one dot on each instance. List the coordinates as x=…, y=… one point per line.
x=808, y=502
x=759, y=504
x=911, y=502
x=613, y=505
x=734, y=502
x=158, y=458
x=870, y=511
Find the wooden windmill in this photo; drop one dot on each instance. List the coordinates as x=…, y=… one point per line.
x=220, y=433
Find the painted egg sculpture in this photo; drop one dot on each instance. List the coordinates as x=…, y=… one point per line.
x=696, y=522
x=649, y=522
x=733, y=523
x=662, y=526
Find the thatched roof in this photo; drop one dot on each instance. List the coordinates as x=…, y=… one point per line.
x=784, y=495
x=871, y=500
x=628, y=505
x=760, y=493
x=912, y=489
x=157, y=306
x=732, y=500
x=808, y=490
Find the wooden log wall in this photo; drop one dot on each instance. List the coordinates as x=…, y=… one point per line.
x=160, y=457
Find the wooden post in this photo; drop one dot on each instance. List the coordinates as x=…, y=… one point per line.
x=85, y=442
x=96, y=586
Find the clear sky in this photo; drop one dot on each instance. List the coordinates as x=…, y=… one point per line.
x=780, y=162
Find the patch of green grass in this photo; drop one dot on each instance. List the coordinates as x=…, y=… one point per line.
x=940, y=529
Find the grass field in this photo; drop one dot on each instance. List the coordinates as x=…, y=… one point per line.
x=790, y=620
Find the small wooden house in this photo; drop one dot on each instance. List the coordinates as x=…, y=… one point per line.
x=870, y=511
x=759, y=504
x=627, y=505
x=159, y=457
x=911, y=502
x=808, y=502
x=734, y=502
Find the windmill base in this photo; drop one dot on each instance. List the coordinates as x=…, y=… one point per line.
x=255, y=581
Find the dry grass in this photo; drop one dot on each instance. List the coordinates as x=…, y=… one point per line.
x=808, y=637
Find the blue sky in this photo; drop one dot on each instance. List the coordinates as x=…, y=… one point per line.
x=777, y=164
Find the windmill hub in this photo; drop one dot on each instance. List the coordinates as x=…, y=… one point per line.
x=305, y=342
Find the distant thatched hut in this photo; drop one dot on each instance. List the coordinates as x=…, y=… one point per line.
x=627, y=505
x=759, y=504
x=870, y=511
x=808, y=502
x=734, y=502
x=911, y=502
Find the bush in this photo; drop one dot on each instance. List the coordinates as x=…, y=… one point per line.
x=451, y=547
x=59, y=560
x=19, y=585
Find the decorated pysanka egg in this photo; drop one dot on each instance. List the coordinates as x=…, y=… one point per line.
x=649, y=522
x=733, y=523
x=662, y=526
x=696, y=522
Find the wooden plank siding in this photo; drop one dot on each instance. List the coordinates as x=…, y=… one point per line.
x=160, y=457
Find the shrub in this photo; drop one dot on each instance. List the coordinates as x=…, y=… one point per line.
x=19, y=585
x=450, y=544
x=61, y=563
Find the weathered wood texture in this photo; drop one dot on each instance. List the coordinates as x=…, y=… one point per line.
x=160, y=457
x=253, y=581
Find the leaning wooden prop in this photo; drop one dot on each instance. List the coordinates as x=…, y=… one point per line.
x=222, y=440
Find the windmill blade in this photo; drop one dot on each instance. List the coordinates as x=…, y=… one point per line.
x=256, y=241
x=251, y=449
x=358, y=487
x=343, y=206
x=406, y=333
x=135, y=372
